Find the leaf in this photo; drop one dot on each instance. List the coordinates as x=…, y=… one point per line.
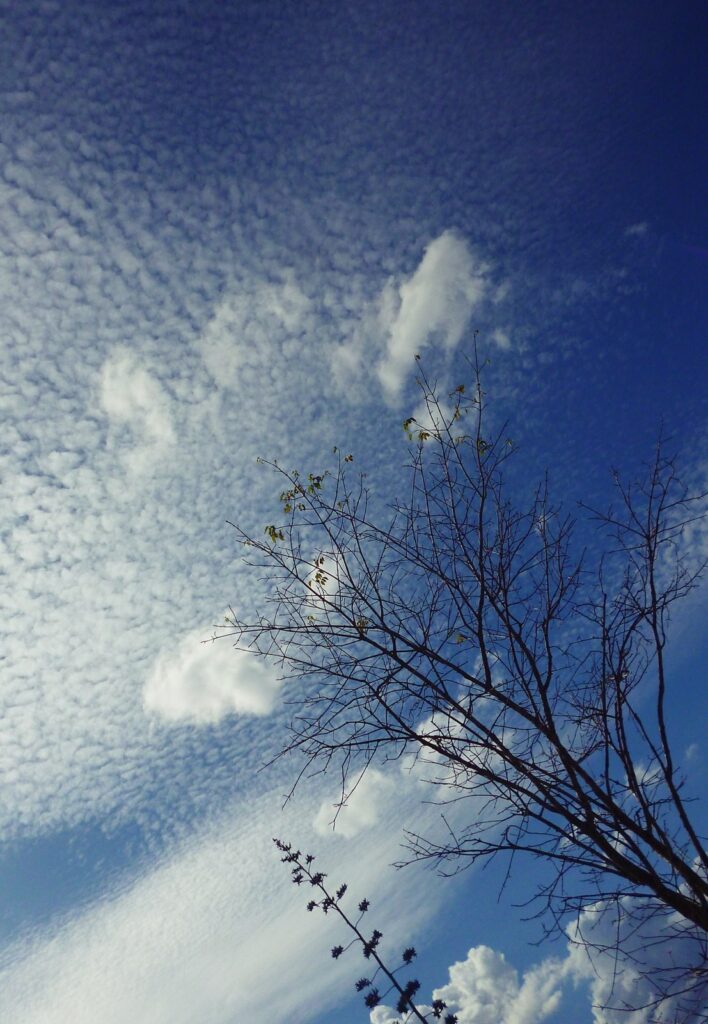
x=274, y=533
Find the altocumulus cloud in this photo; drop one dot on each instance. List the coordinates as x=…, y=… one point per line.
x=214, y=932
x=203, y=683
x=251, y=320
x=132, y=398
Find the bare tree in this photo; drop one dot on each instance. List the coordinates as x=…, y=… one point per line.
x=526, y=676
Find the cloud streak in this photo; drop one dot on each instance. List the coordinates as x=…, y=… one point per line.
x=434, y=304
x=215, y=932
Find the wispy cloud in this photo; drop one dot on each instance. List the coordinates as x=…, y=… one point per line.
x=434, y=304
x=214, y=933
x=501, y=338
x=133, y=399
x=637, y=230
x=362, y=806
x=202, y=261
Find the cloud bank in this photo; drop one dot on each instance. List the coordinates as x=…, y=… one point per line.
x=214, y=933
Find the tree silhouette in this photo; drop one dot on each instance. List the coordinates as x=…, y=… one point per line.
x=303, y=872
x=524, y=671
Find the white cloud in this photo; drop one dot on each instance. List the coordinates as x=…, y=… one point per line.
x=133, y=398
x=221, y=339
x=325, y=581
x=286, y=302
x=485, y=989
x=501, y=339
x=215, y=933
x=363, y=806
x=432, y=418
x=637, y=230
x=249, y=317
x=434, y=304
x=106, y=242
x=353, y=360
x=657, y=951
x=202, y=683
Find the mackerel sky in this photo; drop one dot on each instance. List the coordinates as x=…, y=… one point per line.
x=226, y=228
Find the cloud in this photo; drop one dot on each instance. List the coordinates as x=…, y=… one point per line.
x=434, y=304
x=692, y=753
x=325, y=581
x=352, y=361
x=659, y=955
x=485, y=989
x=131, y=397
x=362, y=808
x=202, y=683
x=122, y=244
x=501, y=339
x=253, y=316
x=220, y=340
x=213, y=933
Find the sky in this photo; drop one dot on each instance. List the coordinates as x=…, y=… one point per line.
x=226, y=228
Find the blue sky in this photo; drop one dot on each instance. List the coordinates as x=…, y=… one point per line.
x=225, y=229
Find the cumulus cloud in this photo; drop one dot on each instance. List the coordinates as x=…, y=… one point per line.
x=486, y=989
x=203, y=683
x=362, y=808
x=659, y=954
x=434, y=304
